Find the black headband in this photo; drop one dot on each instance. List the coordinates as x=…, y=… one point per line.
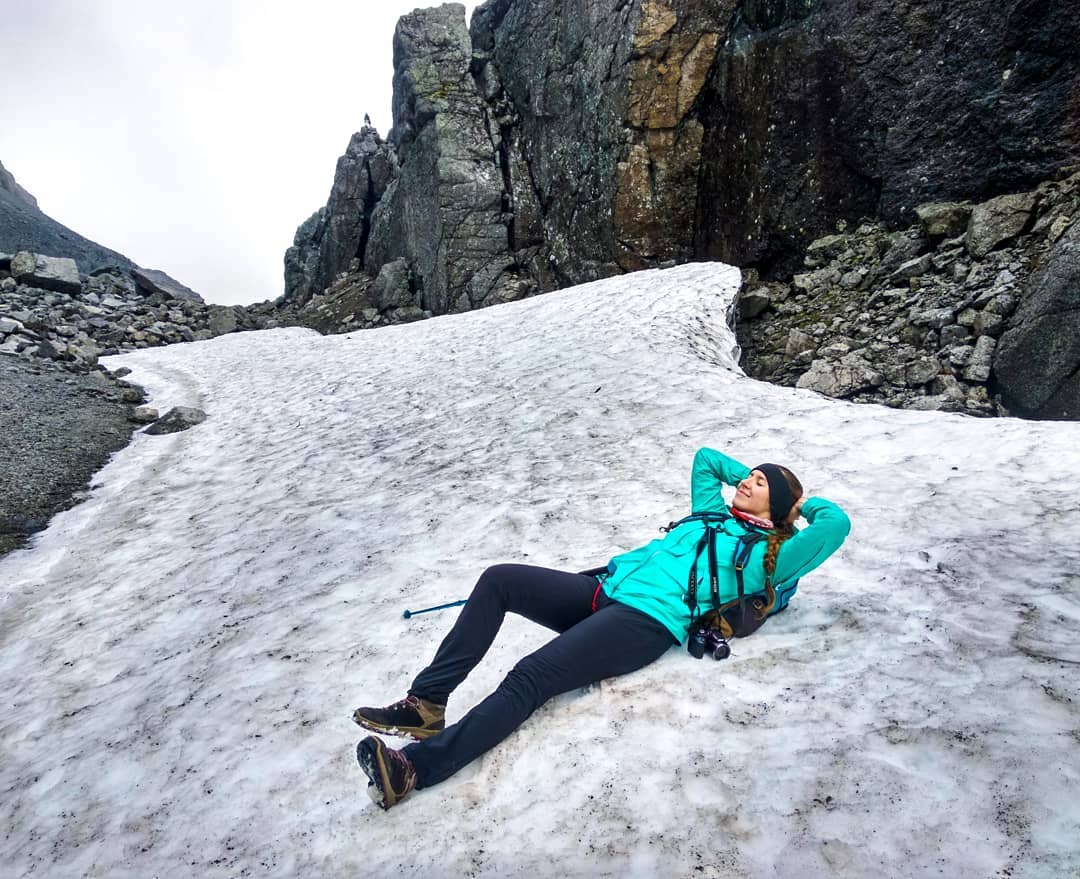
x=780, y=499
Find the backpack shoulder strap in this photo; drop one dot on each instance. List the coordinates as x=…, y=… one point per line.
x=747, y=540
x=742, y=555
x=706, y=516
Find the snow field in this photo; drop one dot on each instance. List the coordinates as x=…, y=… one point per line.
x=181, y=653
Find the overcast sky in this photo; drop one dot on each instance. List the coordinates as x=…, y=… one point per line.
x=193, y=137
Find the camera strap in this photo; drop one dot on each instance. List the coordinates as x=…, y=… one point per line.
x=743, y=548
x=708, y=538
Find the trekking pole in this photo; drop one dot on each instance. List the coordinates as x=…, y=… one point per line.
x=412, y=613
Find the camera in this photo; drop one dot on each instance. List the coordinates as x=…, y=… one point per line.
x=710, y=641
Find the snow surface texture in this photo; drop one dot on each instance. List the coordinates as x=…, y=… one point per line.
x=182, y=652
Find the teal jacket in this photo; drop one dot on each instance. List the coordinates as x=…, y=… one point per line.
x=654, y=578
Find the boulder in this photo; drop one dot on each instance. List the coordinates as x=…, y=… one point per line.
x=835, y=350
x=935, y=318
x=978, y=365
x=913, y=268
x=154, y=282
x=13, y=344
x=753, y=302
x=813, y=283
x=854, y=278
x=47, y=272
x=48, y=351
x=948, y=387
x=996, y=221
x=1038, y=356
x=407, y=314
x=221, y=320
x=823, y=249
x=988, y=323
x=851, y=375
x=114, y=302
x=921, y=370
x=1002, y=303
x=1058, y=227
x=144, y=415
x=175, y=420
x=959, y=355
x=86, y=353
x=902, y=248
x=391, y=288
x=931, y=403
x=799, y=342
x=943, y=219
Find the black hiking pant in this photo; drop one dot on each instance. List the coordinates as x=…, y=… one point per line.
x=592, y=645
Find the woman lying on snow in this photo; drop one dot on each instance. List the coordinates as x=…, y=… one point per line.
x=611, y=623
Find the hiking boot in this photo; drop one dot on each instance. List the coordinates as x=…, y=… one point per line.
x=412, y=716
x=390, y=772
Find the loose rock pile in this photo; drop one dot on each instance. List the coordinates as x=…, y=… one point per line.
x=356, y=301
x=908, y=318
x=48, y=310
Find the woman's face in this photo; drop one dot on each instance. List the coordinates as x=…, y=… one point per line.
x=752, y=495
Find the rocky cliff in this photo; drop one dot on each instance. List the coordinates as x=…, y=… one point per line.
x=819, y=110
x=555, y=143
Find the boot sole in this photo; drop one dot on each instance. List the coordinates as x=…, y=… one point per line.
x=369, y=756
x=413, y=732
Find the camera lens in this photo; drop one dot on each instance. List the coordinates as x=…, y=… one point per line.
x=722, y=651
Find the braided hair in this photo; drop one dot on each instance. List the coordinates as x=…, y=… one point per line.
x=781, y=530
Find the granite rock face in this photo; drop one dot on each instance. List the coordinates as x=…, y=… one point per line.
x=303, y=276
x=1037, y=368
x=557, y=102
x=327, y=242
x=818, y=110
x=599, y=128
x=444, y=214
x=552, y=145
